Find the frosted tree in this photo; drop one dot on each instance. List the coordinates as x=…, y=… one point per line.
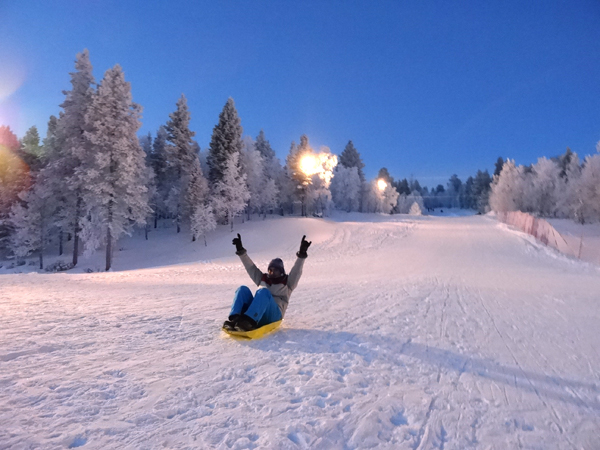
x=545, y=187
x=346, y=187
x=31, y=221
x=415, y=210
x=181, y=157
x=481, y=190
x=380, y=197
x=203, y=221
x=225, y=141
x=197, y=200
x=72, y=148
x=14, y=177
x=252, y=165
x=230, y=193
x=351, y=158
x=507, y=188
x=31, y=150
x=114, y=172
x=571, y=201
x=276, y=180
x=589, y=189
x=159, y=162
x=406, y=202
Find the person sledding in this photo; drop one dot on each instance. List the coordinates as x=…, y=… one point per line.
x=270, y=301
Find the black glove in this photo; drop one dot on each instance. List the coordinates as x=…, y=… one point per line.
x=240, y=250
x=303, y=247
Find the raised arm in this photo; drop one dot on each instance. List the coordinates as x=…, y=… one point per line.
x=296, y=272
x=254, y=272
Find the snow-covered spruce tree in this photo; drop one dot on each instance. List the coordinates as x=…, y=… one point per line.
x=346, y=188
x=114, y=172
x=71, y=149
x=230, y=193
x=181, y=158
x=197, y=201
x=225, y=141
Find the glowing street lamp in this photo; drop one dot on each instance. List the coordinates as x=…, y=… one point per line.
x=381, y=184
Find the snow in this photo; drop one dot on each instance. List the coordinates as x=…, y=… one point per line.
x=405, y=332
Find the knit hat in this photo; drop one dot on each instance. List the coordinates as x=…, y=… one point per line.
x=277, y=263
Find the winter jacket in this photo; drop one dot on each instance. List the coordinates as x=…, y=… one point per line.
x=280, y=288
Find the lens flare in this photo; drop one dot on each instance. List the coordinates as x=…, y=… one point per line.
x=381, y=184
x=11, y=79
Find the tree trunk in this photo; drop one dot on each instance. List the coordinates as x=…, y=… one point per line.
x=155, y=219
x=109, y=242
x=76, y=231
x=178, y=218
x=108, y=249
x=42, y=246
x=205, y=244
x=60, y=243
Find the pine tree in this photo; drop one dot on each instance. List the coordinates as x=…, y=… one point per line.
x=225, y=141
x=230, y=194
x=114, y=172
x=181, y=156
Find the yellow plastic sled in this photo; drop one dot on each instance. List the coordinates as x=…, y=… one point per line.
x=255, y=334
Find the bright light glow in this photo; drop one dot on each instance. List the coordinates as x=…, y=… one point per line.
x=381, y=184
x=308, y=164
x=321, y=164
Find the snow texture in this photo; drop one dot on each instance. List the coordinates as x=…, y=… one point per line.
x=405, y=332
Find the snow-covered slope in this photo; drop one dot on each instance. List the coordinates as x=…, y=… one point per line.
x=404, y=333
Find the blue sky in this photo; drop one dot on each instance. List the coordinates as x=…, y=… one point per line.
x=424, y=88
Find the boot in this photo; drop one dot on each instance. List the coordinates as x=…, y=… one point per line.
x=229, y=325
x=246, y=323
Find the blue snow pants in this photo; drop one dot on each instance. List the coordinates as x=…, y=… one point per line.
x=260, y=307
